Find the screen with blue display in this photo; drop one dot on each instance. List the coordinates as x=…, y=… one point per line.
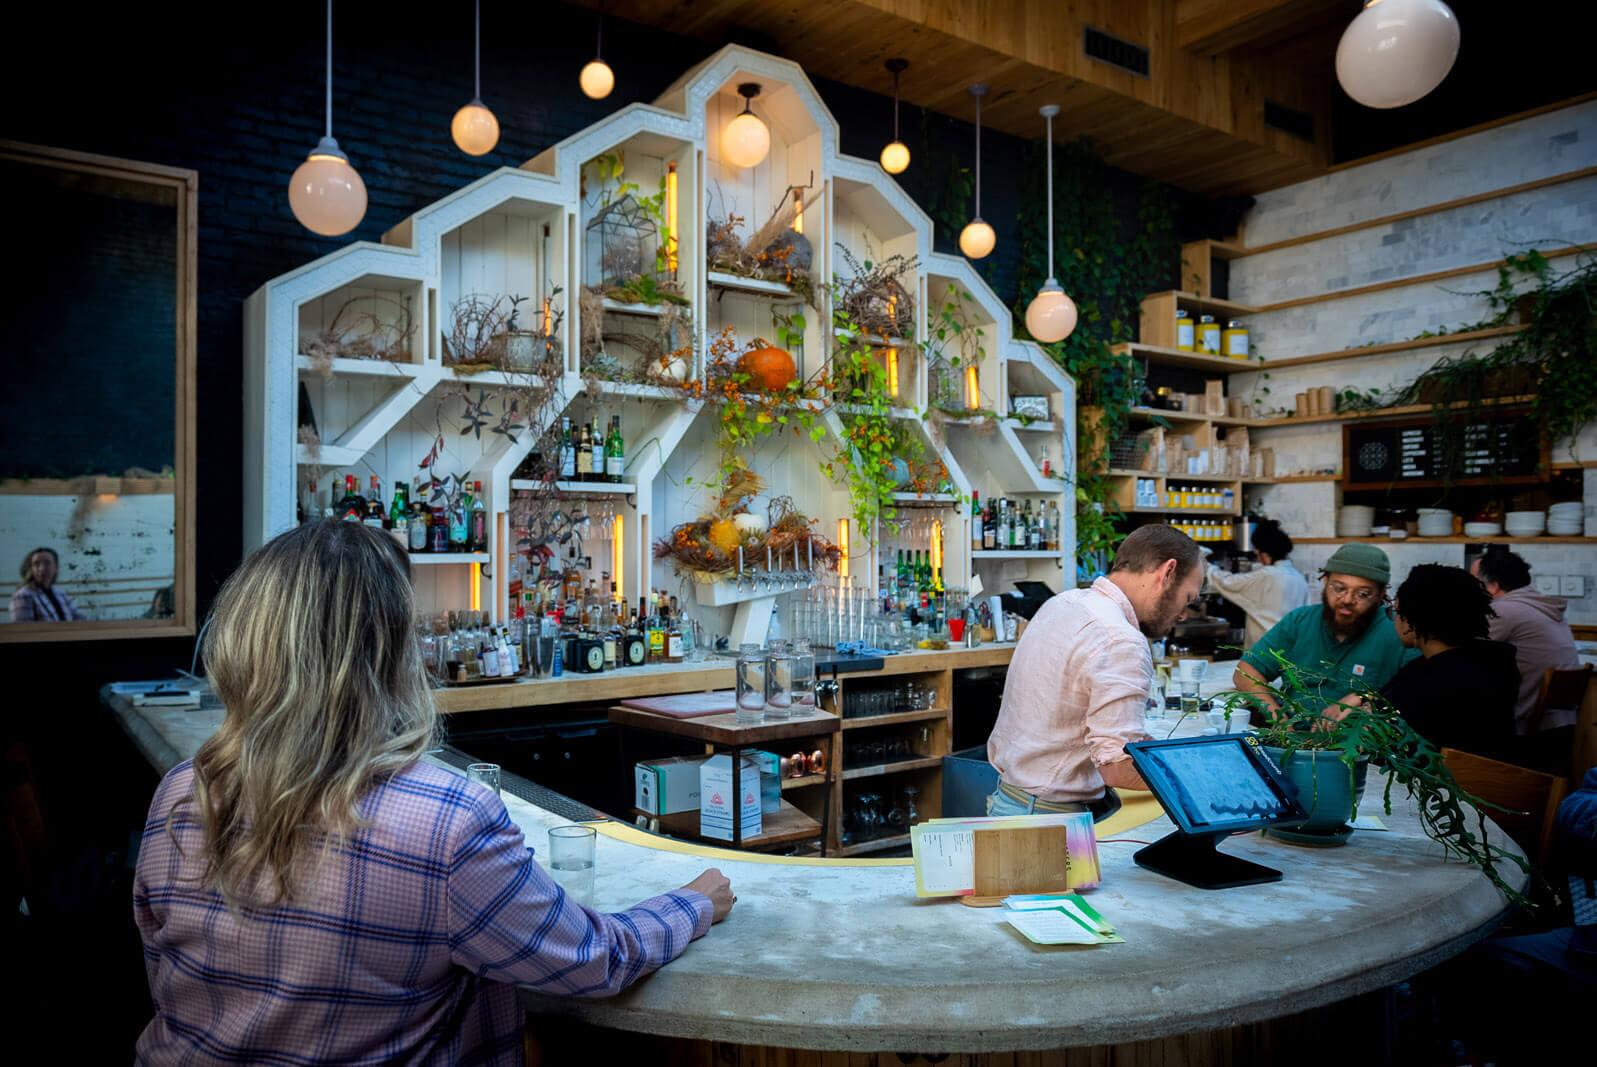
x=1212, y=785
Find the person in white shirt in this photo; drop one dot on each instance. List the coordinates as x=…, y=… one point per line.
x=1269, y=591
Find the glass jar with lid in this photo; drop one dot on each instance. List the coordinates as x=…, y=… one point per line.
x=751, y=666
x=1184, y=331
x=1208, y=335
x=1234, y=339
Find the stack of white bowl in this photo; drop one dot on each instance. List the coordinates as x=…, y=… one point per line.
x=1525, y=523
x=1435, y=522
x=1354, y=520
x=1483, y=529
x=1566, y=520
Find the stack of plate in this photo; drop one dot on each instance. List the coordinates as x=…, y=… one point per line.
x=1525, y=523
x=1566, y=520
x=1354, y=520
x=1435, y=522
x=1483, y=529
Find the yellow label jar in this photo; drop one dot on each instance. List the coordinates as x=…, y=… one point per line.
x=1208, y=335
x=1184, y=332
x=1234, y=339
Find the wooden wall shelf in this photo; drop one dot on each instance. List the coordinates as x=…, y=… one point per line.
x=1544, y=540
x=1379, y=413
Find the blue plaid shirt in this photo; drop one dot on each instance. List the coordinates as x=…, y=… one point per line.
x=403, y=944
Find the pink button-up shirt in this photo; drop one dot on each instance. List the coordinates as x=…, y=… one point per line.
x=1076, y=692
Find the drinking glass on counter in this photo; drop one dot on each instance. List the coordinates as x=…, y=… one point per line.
x=803, y=674
x=572, y=850
x=486, y=774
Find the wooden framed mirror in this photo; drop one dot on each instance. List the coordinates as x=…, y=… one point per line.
x=97, y=425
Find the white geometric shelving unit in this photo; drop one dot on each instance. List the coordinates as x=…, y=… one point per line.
x=520, y=231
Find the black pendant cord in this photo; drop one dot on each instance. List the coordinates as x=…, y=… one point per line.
x=477, y=61
x=329, y=69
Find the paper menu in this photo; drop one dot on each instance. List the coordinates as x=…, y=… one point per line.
x=1059, y=919
x=945, y=850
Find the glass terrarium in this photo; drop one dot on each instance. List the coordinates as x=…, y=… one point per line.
x=620, y=243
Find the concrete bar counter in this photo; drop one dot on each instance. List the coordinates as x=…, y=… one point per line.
x=841, y=955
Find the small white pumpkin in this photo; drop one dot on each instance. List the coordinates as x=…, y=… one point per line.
x=749, y=523
x=678, y=368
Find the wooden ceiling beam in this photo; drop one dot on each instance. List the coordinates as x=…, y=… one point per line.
x=1210, y=27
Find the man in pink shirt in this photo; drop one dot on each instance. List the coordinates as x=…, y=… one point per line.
x=1078, y=683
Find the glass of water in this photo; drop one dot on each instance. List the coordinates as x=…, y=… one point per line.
x=485, y=773
x=571, y=856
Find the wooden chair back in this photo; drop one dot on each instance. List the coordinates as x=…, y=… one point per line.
x=1531, y=797
x=1560, y=689
x=1585, y=742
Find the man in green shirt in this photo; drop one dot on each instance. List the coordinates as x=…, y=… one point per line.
x=1343, y=644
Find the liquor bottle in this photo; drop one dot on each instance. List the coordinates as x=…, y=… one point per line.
x=673, y=637
x=457, y=523
x=975, y=521
x=1005, y=521
x=592, y=607
x=615, y=452
x=613, y=650
x=376, y=516
x=656, y=626
x=568, y=455
x=399, y=517
x=352, y=508
x=596, y=442
x=584, y=456
x=636, y=645
x=989, y=527
x=478, y=520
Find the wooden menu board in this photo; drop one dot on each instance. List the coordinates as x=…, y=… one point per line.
x=1504, y=448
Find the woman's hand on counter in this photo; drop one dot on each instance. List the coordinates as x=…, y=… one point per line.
x=715, y=885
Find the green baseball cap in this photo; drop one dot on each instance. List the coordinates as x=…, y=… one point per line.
x=1361, y=561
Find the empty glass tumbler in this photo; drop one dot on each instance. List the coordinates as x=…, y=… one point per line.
x=803, y=675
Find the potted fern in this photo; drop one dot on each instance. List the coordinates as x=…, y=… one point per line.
x=1329, y=758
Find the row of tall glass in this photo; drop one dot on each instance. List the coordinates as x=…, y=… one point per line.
x=773, y=681
x=832, y=615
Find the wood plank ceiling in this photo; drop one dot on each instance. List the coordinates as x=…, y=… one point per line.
x=1197, y=120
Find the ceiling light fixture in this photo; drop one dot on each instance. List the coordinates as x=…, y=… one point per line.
x=597, y=79
x=474, y=127
x=746, y=139
x=895, y=156
x=1051, y=315
x=1396, y=51
x=325, y=193
x=977, y=238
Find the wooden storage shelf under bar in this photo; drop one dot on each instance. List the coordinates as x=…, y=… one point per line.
x=875, y=844
x=776, y=828
x=860, y=721
x=876, y=770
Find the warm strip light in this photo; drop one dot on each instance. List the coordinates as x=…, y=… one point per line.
x=618, y=558
x=798, y=210
x=842, y=543
x=937, y=546
x=671, y=216
x=972, y=390
x=892, y=371
x=548, y=316
x=476, y=587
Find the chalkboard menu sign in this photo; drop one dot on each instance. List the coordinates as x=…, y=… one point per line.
x=1505, y=447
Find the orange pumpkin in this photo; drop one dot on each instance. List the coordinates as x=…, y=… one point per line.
x=769, y=369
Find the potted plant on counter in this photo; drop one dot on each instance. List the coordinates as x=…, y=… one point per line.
x=1329, y=760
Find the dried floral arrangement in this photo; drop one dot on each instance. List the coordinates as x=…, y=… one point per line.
x=658, y=353
x=364, y=334
x=706, y=549
x=776, y=252
x=875, y=299
x=476, y=336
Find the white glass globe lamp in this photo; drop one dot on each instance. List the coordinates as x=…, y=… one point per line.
x=325, y=193
x=895, y=157
x=597, y=79
x=1396, y=51
x=474, y=129
x=746, y=140
x=977, y=239
x=1051, y=315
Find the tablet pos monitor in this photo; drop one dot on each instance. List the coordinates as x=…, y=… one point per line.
x=1212, y=787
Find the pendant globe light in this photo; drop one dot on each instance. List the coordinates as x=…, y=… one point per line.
x=474, y=127
x=977, y=238
x=1051, y=315
x=597, y=79
x=325, y=193
x=895, y=156
x=746, y=139
x=1396, y=51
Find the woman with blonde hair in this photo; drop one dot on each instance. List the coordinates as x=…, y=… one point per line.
x=310, y=890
